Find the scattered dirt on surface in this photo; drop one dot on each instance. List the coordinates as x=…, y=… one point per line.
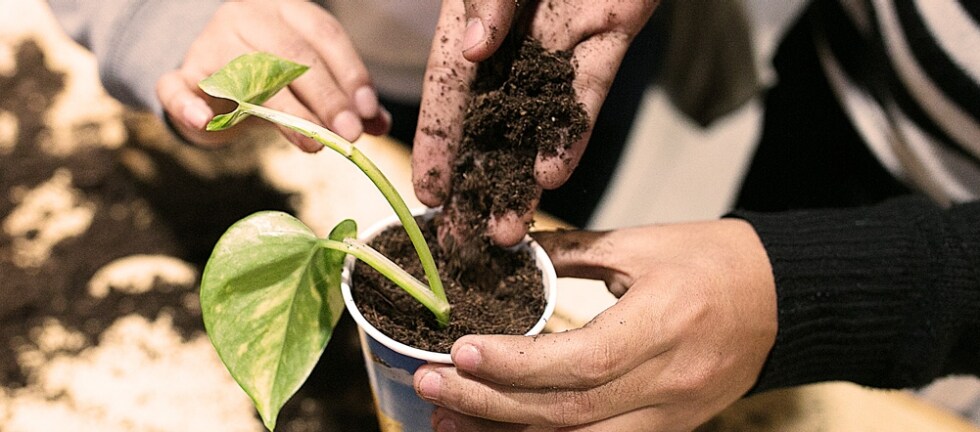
x=178, y=215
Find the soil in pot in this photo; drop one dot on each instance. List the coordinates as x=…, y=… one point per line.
x=510, y=302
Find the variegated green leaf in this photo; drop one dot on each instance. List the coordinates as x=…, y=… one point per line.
x=270, y=298
x=333, y=264
x=249, y=79
x=347, y=228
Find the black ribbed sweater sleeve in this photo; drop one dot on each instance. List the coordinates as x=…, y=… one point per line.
x=885, y=296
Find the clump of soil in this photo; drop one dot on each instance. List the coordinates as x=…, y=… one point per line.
x=523, y=104
x=509, y=303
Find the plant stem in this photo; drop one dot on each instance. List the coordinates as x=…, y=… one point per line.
x=340, y=145
x=411, y=285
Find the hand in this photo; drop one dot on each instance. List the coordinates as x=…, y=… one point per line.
x=689, y=335
x=597, y=32
x=336, y=92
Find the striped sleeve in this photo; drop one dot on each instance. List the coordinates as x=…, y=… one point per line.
x=908, y=74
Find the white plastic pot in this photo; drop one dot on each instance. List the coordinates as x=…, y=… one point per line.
x=391, y=364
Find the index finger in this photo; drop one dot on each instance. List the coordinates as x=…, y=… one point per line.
x=596, y=61
x=598, y=33
x=487, y=22
x=445, y=93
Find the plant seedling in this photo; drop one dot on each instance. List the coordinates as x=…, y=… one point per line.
x=270, y=293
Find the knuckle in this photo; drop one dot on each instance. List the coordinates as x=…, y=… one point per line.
x=691, y=381
x=598, y=366
x=166, y=81
x=479, y=406
x=328, y=27
x=592, y=87
x=573, y=408
x=353, y=76
x=298, y=50
x=333, y=101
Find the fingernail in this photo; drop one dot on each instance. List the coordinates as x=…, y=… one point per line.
x=430, y=384
x=446, y=425
x=467, y=358
x=196, y=114
x=506, y=230
x=366, y=102
x=348, y=125
x=474, y=33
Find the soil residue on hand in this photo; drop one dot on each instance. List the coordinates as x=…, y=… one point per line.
x=523, y=104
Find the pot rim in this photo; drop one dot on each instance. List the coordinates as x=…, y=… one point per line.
x=549, y=279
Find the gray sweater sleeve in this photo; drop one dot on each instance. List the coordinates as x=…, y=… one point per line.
x=135, y=41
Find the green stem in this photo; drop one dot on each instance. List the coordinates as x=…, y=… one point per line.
x=411, y=285
x=352, y=153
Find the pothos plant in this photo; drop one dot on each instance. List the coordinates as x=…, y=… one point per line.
x=270, y=292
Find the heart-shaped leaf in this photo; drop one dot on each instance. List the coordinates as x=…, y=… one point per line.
x=249, y=79
x=270, y=298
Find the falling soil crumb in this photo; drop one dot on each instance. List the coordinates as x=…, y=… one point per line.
x=439, y=133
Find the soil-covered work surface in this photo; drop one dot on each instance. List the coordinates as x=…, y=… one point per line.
x=105, y=225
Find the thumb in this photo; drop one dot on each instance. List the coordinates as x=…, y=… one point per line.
x=487, y=24
x=584, y=254
x=188, y=112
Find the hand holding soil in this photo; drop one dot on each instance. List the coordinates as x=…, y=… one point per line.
x=693, y=327
x=595, y=34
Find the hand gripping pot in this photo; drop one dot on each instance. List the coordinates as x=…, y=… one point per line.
x=391, y=364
